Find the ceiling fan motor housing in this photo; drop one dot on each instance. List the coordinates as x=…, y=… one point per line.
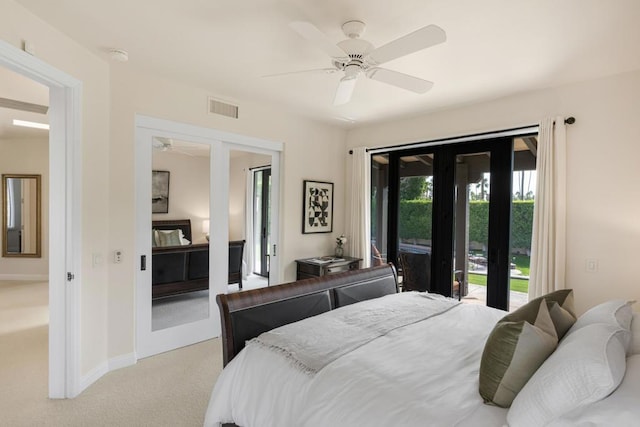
x=353, y=29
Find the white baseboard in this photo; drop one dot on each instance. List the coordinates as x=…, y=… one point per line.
x=122, y=361
x=104, y=368
x=94, y=375
x=40, y=277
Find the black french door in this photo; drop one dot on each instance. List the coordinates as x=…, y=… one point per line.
x=447, y=179
x=261, y=219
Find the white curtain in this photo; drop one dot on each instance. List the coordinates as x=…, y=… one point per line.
x=359, y=222
x=548, y=245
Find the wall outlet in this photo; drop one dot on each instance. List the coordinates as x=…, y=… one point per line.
x=117, y=257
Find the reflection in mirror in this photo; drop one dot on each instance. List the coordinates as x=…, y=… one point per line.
x=180, y=248
x=250, y=217
x=21, y=215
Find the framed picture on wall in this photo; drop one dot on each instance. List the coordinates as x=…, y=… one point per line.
x=317, y=209
x=159, y=191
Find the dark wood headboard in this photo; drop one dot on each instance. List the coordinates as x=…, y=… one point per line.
x=247, y=314
x=172, y=224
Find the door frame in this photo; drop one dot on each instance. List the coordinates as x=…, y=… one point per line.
x=501, y=149
x=501, y=170
x=65, y=216
x=263, y=214
x=150, y=342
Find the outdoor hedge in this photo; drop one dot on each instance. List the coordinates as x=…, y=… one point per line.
x=415, y=221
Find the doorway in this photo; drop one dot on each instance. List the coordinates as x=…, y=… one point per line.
x=64, y=210
x=261, y=191
x=201, y=265
x=452, y=205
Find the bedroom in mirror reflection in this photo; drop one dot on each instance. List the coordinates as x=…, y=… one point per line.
x=179, y=240
x=249, y=219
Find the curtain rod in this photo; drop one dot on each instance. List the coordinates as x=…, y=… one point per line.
x=473, y=137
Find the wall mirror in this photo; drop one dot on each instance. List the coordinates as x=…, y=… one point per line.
x=21, y=217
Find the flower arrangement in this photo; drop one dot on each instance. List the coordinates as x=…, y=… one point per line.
x=340, y=242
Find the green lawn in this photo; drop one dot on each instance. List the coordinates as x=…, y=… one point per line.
x=522, y=263
x=518, y=285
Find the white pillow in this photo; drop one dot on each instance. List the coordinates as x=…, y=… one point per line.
x=621, y=408
x=616, y=312
x=635, y=334
x=587, y=366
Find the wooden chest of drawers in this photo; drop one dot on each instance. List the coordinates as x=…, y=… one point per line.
x=321, y=266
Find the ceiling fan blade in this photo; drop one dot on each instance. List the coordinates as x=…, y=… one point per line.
x=311, y=33
x=404, y=81
x=423, y=38
x=344, y=91
x=186, y=153
x=314, y=71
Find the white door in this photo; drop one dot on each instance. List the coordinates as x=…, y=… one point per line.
x=172, y=321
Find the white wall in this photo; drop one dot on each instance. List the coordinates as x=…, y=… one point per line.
x=28, y=156
x=311, y=151
x=56, y=49
x=602, y=171
x=188, y=189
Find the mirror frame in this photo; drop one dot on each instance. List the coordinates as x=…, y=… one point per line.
x=38, y=252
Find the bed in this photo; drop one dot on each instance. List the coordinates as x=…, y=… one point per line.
x=179, y=266
x=409, y=359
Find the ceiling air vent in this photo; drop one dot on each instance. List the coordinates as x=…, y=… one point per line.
x=222, y=108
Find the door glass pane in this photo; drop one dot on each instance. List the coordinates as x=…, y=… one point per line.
x=266, y=213
x=471, y=227
x=261, y=221
x=379, y=208
x=415, y=221
x=180, y=247
x=248, y=220
x=257, y=221
x=524, y=187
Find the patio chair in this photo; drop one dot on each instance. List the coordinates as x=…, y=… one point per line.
x=416, y=271
x=236, y=249
x=376, y=256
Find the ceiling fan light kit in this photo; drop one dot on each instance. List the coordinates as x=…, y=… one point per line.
x=355, y=56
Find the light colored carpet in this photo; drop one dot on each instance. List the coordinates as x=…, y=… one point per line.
x=170, y=389
x=179, y=309
x=192, y=306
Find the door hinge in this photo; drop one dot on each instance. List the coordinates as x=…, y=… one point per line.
x=274, y=251
x=70, y=276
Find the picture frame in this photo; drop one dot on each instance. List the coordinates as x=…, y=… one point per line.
x=317, y=207
x=159, y=191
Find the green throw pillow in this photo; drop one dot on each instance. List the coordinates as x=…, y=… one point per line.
x=519, y=343
x=171, y=238
x=561, y=309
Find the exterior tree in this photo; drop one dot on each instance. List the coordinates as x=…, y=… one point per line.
x=413, y=187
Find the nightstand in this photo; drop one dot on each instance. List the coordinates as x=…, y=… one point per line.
x=321, y=266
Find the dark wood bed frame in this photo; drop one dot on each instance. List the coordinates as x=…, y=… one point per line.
x=180, y=269
x=245, y=315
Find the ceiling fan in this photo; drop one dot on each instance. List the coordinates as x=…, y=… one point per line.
x=162, y=143
x=355, y=56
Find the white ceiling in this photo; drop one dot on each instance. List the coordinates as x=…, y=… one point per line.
x=494, y=48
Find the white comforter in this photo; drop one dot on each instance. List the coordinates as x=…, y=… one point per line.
x=422, y=374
